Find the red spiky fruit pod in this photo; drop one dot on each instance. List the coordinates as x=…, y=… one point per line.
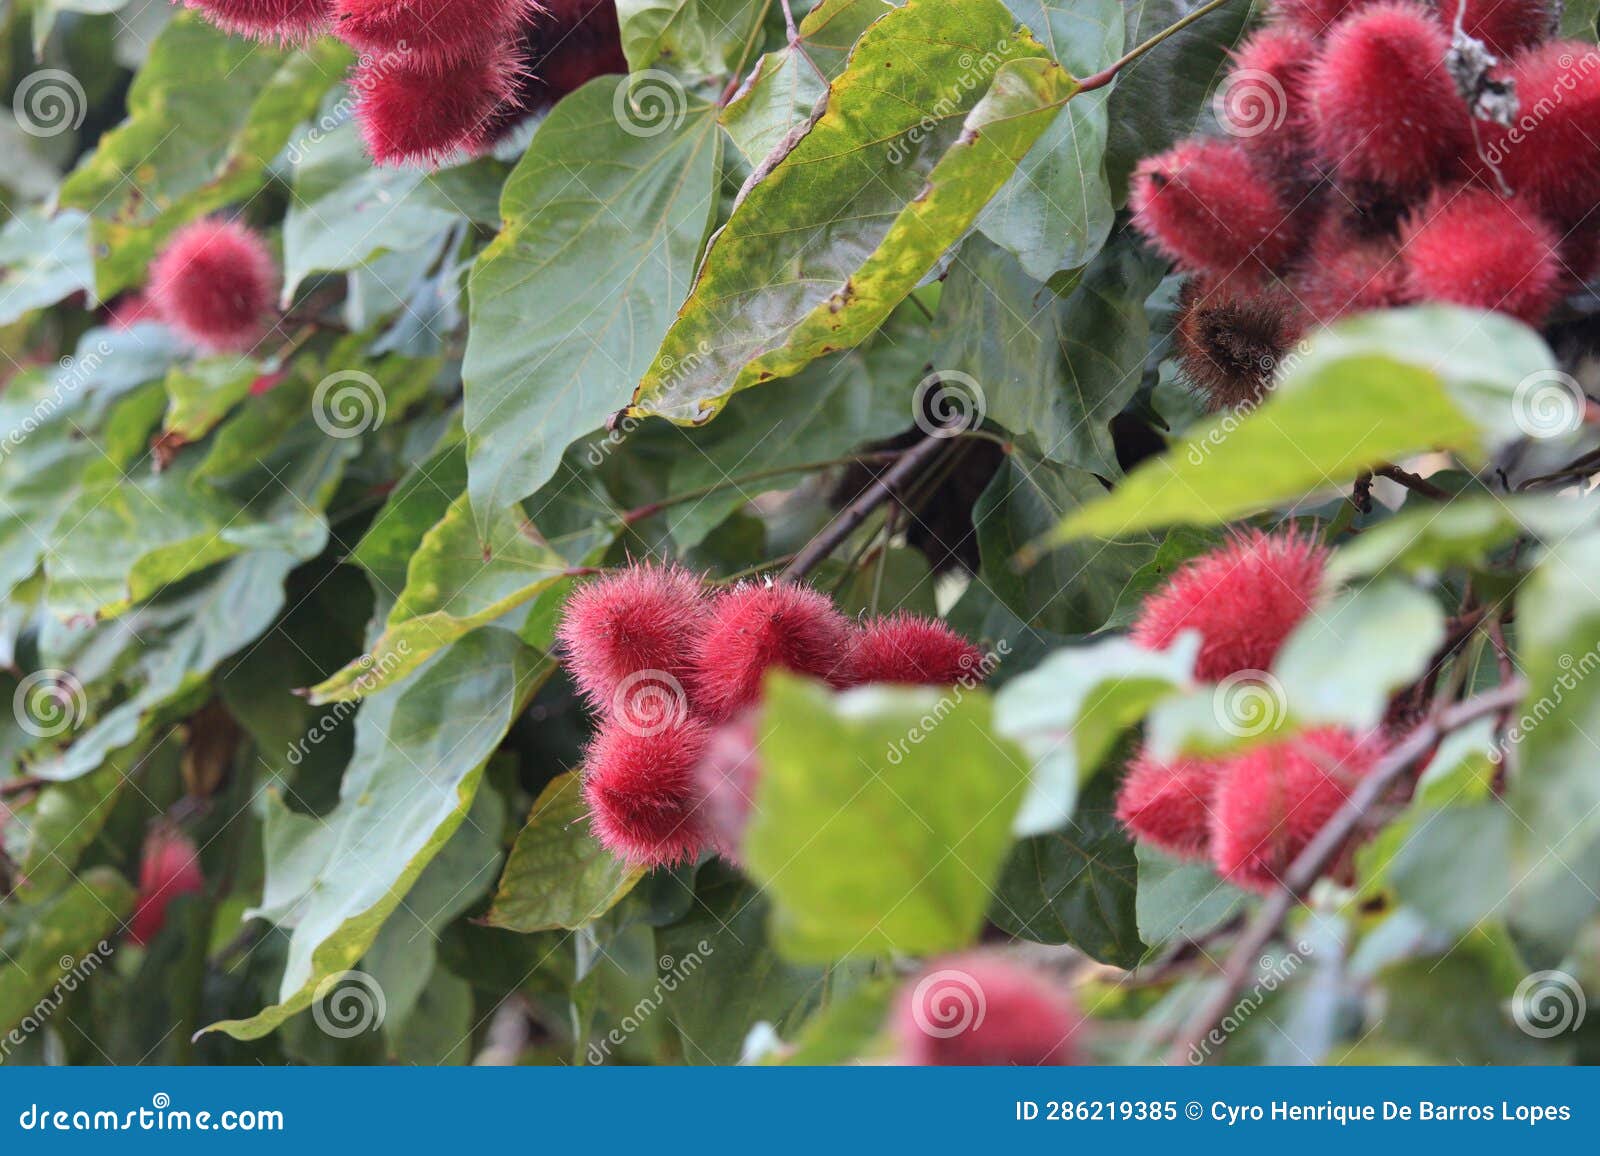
x=981, y=1009
x=570, y=44
x=1346, y=274
x=913, y=651
x=639, y=784
x=1263, y=102
x=1314, y=17
x=282, y=21
x=214, y=282
x=1272, y=799
x=627, y=638
x=423, y=115
x=1244, y=598
x=1231, y=339
x=1207, y=206
x=1549, y=156
x=428, y=33
x=1169, y=803
x=168, y=867
x=754, y=627
x=725, y=784
x=1476, y=248
x=1504, y=26
x=1385, y=108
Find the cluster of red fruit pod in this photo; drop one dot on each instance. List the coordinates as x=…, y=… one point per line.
x=983, y=1009
x=1373, y=159
x=673, y=671
x=215, y=282
x=1250, y=813
x=440, y=77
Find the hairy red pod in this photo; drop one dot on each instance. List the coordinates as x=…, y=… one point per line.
x=1169, y=803
x=1207, y=206
x=423, y=115
x=1271, y=800
x=1315, y=17
x=725, y=781
x=283, y=21
x=567, y=46
x=1548, y=156
x=627, y=639
x=640, y=787
x=1244, y=598
x=1264, y=102
x=429, y=33
x=1476, y=248
x=168, y=867
x=214, y=283
x=1346, y=274
x=913, y=651
x=755, y=627
x=1504, y=26
x=982, y=1009
x=1230, y=340
x=1386, y=109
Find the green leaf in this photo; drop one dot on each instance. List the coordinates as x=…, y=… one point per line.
x=420, y=753
x=201, y=394
x=42, y=260
x=884, y=827
x=936, y=108
x=694, y=38
x=562, y=324
x=1181, y=900
x=1368, y=390
x=206, y=115
x=51, y=951
x=558, y=875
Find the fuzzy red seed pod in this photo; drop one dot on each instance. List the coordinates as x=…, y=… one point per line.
x=912, y=651
x=284, y=21
x=1384, y=105
x=1476, y=248
x=1169, y=803
x=981, y=1009
x=1346, y=274
x=213, y=283
x=169, y=867
x=1207, y=206
x=567, y=46
x=639, y=784
x=423, y=115
x=1263, y=102
x=755, y=627
x=725, y=781
x=1272, y=799
x=429, y=33
x=1230, y=339
x=627, y=639
x=1314, y=17
x=1244, y=598
x=1504, y=26
x=1549, y=156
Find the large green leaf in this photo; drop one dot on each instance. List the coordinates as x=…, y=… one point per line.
x=420, y=753
x=42, y=260
x=1369, y=390
x=558, y=875
x=881, y=818
x=693, y=38
x=1180, y=899
x=602, y=227
x=53, y=950
x=936, y=108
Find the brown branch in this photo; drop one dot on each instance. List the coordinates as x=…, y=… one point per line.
x=849, y=519
x=1107, y=75
x=1310, y=864
x=1413, y=482
x=21, y=784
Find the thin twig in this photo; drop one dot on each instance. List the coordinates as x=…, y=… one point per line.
x=1107, y=75
x=1413, y=482
x=1310, y=864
